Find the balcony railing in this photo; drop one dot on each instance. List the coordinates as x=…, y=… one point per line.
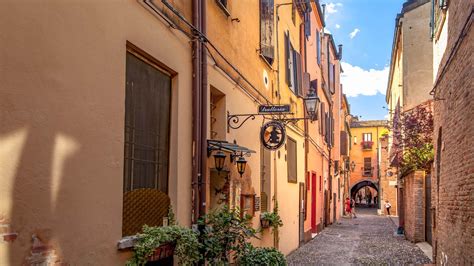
x=367, y=145
x=368, y=172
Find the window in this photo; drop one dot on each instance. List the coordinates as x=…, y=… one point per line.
x=318, y=47
x=367, y=141
x=291, y=161
x=320, y=183
x=367, y=136
x=223, y=5
x=147, y=129
x=147, y=118
x=267, y=48
x=331, y=78
x=368, y=166
x=293, y=67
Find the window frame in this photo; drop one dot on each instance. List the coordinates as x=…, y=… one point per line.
x=290, y=178
x=152, y=62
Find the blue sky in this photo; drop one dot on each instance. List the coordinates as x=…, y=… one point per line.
x=365, y=29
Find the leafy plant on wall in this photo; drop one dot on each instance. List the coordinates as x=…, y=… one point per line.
x=414, y=139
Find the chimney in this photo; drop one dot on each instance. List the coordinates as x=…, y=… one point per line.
x=339, y=53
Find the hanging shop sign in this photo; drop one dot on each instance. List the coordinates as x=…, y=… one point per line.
x=273, y=135
x=272, y=109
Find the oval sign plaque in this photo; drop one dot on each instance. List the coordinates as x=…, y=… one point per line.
x=272, y=135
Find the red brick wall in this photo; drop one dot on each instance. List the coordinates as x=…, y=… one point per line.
x=453, y=194
x=414, y=206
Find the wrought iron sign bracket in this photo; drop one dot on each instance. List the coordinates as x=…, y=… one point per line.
x=235, y=121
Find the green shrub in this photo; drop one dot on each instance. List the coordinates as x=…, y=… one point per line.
x=261, y=256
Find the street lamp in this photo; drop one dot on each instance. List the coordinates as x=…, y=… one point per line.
x=312, y=104
x=241, y=163
x=219, y=159
x=353, y=166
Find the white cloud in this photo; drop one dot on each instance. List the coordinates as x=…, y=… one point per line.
x=354, y=33
x=331, y=8
x=358, y=81
x=338, y=26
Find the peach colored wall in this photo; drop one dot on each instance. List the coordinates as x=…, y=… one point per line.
x=357, y=154
x=62, y=111
x=317, y=151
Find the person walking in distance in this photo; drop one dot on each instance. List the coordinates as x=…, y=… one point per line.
x=348, y=207
x=388, y=206
x=353, y=210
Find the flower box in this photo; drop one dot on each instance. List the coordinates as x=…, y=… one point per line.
x=162, y=252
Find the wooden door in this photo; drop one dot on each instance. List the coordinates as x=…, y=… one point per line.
x=313, y=202
x=301, y=214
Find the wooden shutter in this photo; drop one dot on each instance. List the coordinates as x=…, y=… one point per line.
x=318, y=47
x=291, y=161
x=267, y=49
x=343, y=136
x=322, y=120
x=288, y=58
x=307, y=24
x=299, y=75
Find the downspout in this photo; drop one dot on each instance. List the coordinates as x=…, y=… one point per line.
x=204, y=96
x=196, y=106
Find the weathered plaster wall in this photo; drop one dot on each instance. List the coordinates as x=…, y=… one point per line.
x=418, y=56
x=62, y=105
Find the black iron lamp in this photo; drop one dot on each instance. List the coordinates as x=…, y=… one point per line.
x=312, y=104
x=219, y=160
x=241, y=164
x=353, y=166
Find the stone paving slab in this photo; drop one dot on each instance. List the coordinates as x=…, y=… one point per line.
x=365, y=240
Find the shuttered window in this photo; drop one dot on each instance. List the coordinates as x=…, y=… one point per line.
x=147, y=119
x=291, y=161
x=294, y=76
x=288, y=60
x=368, y=166
x=318, y=47
x=267, y=49
x=322, y=120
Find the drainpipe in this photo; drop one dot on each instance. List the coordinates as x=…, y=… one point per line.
x=204, y=104
x=196, y=105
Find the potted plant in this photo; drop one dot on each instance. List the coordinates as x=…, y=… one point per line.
x=265, y=219
x=158, y=242
x=271, y=219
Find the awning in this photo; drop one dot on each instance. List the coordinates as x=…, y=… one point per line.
x=223, y=145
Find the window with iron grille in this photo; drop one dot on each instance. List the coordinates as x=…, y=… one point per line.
x=147, y=119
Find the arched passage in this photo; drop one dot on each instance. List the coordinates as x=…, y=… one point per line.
x=361, y=184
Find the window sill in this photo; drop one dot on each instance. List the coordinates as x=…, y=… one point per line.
x=223, y=8
x=127, y=242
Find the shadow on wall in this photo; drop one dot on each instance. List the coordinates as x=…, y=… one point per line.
x=61, y=148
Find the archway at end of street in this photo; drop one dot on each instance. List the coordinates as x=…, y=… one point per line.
x=365, y=193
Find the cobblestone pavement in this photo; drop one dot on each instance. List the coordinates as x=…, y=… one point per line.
x=368, y=239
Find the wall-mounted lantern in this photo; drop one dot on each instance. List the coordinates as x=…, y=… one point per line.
x=241, y=164
x=312, y=104
x=219, y=160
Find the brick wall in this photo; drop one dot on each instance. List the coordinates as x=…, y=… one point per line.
x=452, y=182
x=414, y=206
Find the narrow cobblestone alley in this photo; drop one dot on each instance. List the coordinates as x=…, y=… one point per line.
x=368, y=239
